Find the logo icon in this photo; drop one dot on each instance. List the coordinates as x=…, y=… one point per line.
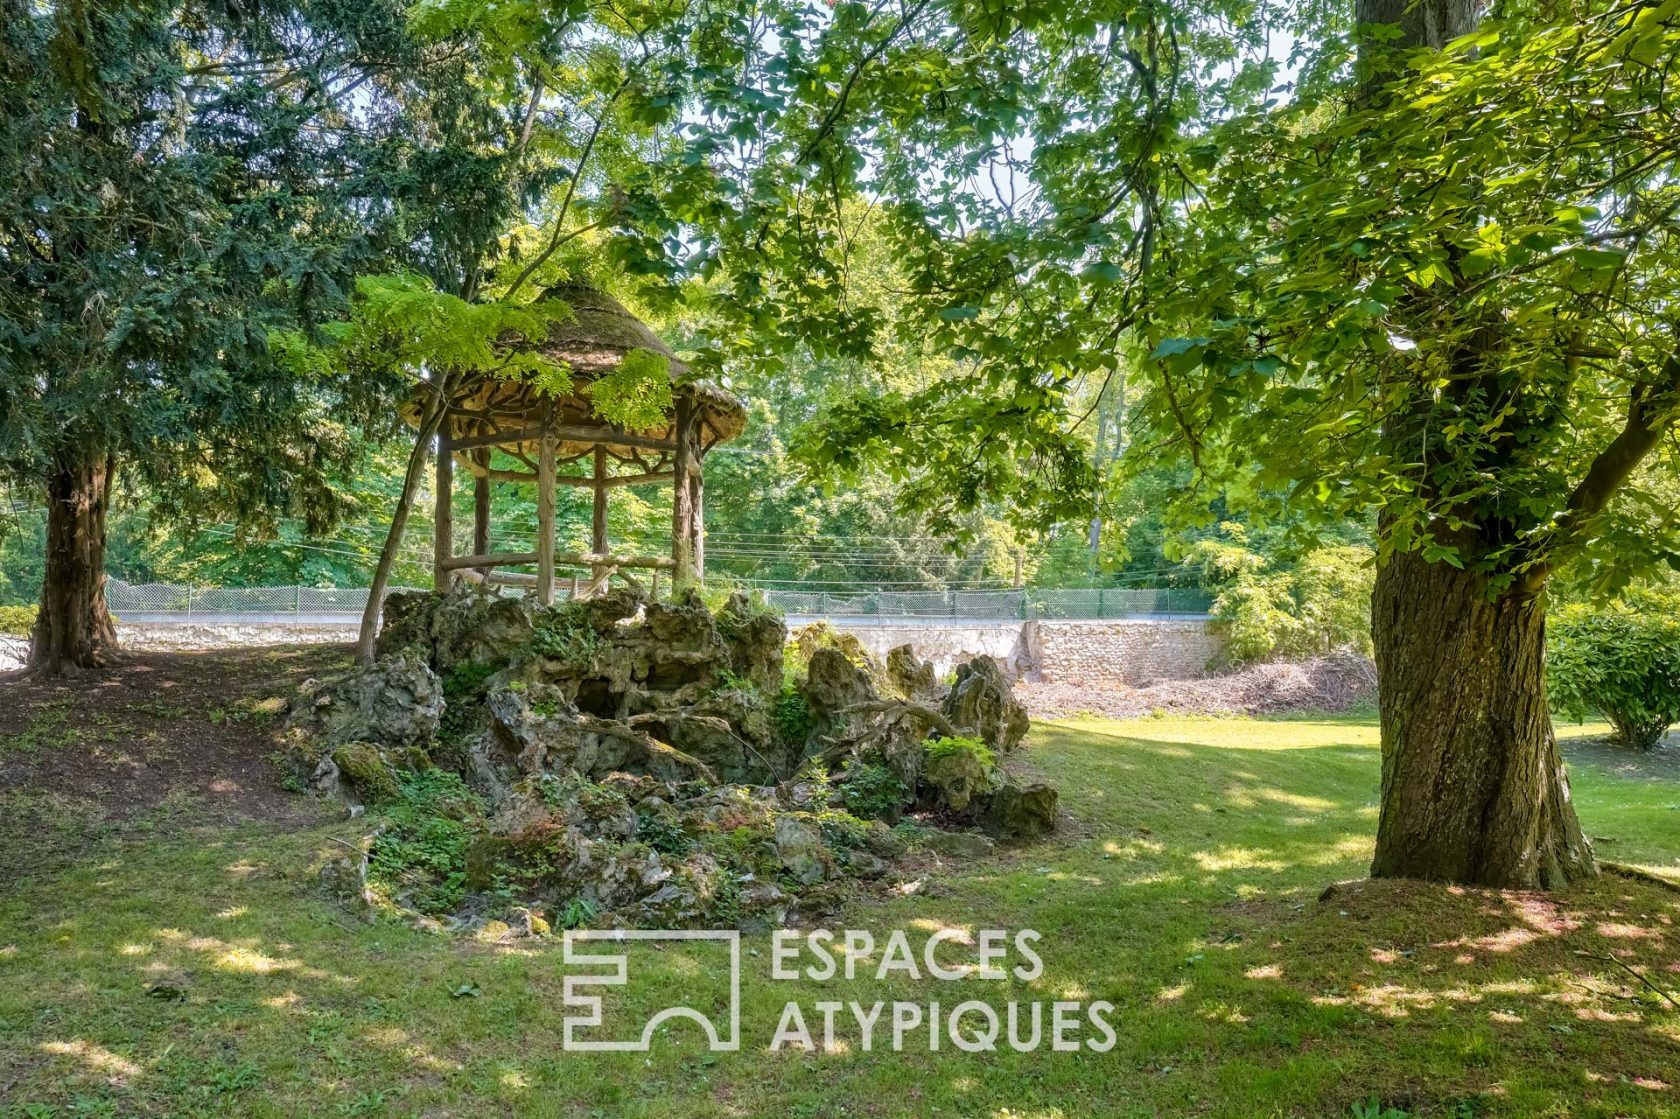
x=618, y=976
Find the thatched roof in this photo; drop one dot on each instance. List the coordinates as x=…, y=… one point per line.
x=597, y=336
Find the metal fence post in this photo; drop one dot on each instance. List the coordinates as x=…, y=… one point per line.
x=189, y=602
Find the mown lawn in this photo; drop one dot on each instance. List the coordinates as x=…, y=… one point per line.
x=201, y=973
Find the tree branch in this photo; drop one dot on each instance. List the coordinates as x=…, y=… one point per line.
x=1650, y=411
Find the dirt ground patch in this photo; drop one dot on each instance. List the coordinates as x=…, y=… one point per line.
x=161, y=740
x=1325, y=684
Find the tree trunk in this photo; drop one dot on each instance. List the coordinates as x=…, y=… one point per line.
x=1473, y=787
x=431, y=420
x=74, y=630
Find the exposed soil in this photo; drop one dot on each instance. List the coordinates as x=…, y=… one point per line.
x=1325, y=684
x=182, y=737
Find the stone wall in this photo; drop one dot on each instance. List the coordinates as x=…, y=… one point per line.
x=1134, y=651
x=946, y=645
x=185, y=638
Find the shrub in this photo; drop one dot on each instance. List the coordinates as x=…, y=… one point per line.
x=872, y=792
x=1621, y=660
x=421, y=853
x=791, y=716
x=565, y=633
x=17, y=620
x=1315, y=605
x=663, y=832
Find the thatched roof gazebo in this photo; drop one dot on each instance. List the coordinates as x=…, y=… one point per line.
x=472, y=416
x=542, y=432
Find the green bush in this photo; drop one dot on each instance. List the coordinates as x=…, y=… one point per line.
x=938, y=749
x=791, y=716
x=872, y=792
x=1621, y=660
x=421, y=854
x=565, y=633
x=1312, y=606
x=17, y=620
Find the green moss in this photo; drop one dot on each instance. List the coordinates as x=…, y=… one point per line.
x=944, y=748
x=367, y=771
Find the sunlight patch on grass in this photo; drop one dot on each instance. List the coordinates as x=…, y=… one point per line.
x=1242, y=993
x=1238, y=858
x=97, y=1058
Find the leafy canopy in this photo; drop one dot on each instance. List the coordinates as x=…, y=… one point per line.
x=1451, y=301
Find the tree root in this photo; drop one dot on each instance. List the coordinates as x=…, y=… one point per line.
x=1627, y=871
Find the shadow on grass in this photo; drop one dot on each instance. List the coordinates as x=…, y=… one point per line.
x=210, y=978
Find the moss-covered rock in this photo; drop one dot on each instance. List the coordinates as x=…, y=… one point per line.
x=981, y=703
x=366, y=771
x=1021, y=811
x=958, y=773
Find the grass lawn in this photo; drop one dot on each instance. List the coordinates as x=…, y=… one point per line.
x=183, y=965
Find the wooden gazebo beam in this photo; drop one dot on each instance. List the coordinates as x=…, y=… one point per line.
x=613, y=482
x=568, y=433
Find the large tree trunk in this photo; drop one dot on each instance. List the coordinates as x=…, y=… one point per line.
x=1473, y=787
x=74, y=629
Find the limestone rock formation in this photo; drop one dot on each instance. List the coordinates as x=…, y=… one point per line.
x=648, y=763
x=982, y=704
x=1021, y=811
x=395, y=703
x=833, y=687
x=912, y=676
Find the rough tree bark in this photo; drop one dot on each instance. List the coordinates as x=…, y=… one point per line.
x=1473, y=787
x=74, y=630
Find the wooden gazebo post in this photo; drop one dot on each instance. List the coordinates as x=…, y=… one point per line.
x=598, y=527
x=443, y=528
x=481, y=506
x=684, y=467
x=545, y=519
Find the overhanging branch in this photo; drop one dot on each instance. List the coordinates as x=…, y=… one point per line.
x=1650, y=411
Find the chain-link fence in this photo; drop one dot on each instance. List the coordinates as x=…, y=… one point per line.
x=1027, y=603
x=166, y=602
x=163, y=602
